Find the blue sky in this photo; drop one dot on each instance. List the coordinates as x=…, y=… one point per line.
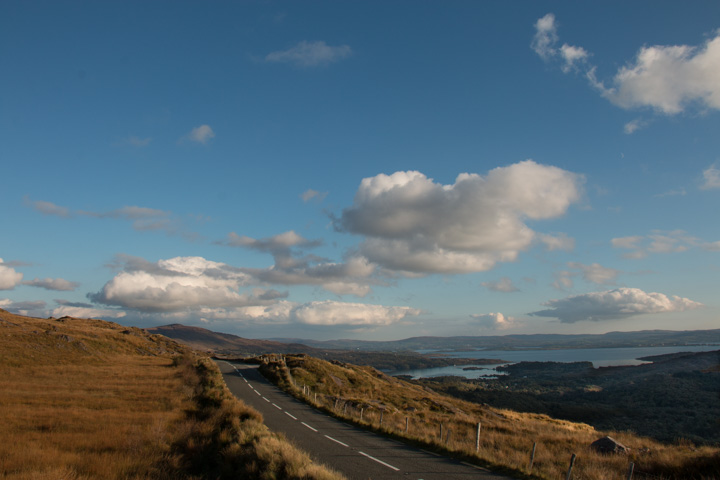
x=373, y=170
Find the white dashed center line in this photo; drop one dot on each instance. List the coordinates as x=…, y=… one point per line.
x=336, y=441
x=308, y=426
x=277, y=407
x=379, y=461
x=294, y=418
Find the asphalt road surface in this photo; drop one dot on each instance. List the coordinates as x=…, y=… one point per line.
x=356, y=453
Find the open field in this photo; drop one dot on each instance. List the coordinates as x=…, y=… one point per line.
x=86, y=399
x=369, y=397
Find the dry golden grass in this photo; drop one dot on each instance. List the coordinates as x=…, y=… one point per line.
x=87, y=399
x=506, y=437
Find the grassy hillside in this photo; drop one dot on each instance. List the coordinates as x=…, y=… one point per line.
x=367, y=396
x=87, y=399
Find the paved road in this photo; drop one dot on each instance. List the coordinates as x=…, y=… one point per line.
x=356, y=453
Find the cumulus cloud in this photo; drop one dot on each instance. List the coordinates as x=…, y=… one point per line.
x=711, y=175
x=657, y=242
x=665, y=78
x=557, y=242
x=201, y=134
x=352, y=314
x=310, y=54
x=58, y=284
x=293, y=268
x=494, y=321
x=596, y=273
x=9, y=278
x=502, y=285
x=613, y=304
x=176, y=284
x=413, y=224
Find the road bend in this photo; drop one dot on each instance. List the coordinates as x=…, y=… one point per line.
x=356, y=453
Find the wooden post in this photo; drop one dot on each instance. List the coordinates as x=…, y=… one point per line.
x=441, y=432
x=315, y=397
x=447, y=440
x=477, y=439
x=630, y=471
x=345, y=408
x=361, y=413
x=407, y=424
x=335, y=407
x=572, y=462
x=382, y=412
x=532, y=457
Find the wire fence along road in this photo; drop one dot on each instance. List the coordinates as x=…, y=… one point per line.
x=356, y=453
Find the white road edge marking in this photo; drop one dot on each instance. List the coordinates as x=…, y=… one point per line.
x=294, y=418
x=257, y=392
x=337, y=441
x=266, y=399
x=279, y=408
x=378, y=461
x=308, y=426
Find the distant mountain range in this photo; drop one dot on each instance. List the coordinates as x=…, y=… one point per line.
x=646, y=338
x=402, y=354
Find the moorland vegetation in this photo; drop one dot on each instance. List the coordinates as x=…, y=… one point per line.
x=86, y=399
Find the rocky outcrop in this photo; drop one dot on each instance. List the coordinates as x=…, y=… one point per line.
x=609, y=445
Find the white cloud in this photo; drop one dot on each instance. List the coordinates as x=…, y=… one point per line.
x=572, y=56
x=666, y=78
x=58, y=284
x=201, y=134
x=9, y=278
x=86, y=312
x=614, y=304
x=414, y=224
x=669, y=78
x=634, y=125
x=502, y=285
x=712, y=247
x=557, y=242
x=545, y=37
x=352, y=314
x=712, y=178
x=310, y=54
x=32, y=308
x=47, y=208
x=494, y=321
x=176, y=284
x=310, y=194
x=658, y=242
x=564, y=280
x=292, y=268
x=596, y=273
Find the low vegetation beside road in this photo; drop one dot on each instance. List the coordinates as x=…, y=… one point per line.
x=87, y=399
x=395, y=407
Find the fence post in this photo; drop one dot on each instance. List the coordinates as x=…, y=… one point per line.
x=630, y=471
x=447, y=440
x=361, y=413
x=381, y=416
x=315, y=397
x=335, y=407
x=441, y=432
x=532, y=457
x=572, y=462
x=344, y=408
x=477, y=439
x=407, y=424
